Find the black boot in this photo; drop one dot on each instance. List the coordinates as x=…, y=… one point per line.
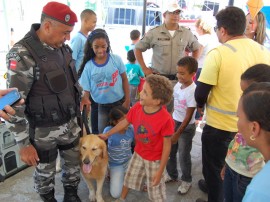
x=48, y=197
x=71, y=194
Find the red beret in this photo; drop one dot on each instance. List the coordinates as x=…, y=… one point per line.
x=60, y=12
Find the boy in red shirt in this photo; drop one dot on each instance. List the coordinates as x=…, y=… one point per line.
x=153, y=127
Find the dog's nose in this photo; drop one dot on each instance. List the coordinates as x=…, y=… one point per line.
x=86, y=161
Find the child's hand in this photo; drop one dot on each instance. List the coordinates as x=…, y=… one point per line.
x=222, y=173
x=103, y=136
x=126, y=104
x=156, y=179
x=174, y=138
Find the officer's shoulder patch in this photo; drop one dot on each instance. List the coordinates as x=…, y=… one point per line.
x=14, y=56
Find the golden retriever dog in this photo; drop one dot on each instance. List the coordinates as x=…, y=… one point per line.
x=94, y=163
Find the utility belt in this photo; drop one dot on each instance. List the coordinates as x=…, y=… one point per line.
x=117, y=103
x=48, y=156
x=170, y=76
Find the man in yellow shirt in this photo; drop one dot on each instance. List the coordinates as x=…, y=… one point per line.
x=219, y=90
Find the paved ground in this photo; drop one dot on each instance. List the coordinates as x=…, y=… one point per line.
x=19, y=187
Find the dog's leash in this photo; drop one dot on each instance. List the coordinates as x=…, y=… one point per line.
x=85, y=121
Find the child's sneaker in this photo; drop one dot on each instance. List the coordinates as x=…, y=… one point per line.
x=169, y=179
x=184, y=187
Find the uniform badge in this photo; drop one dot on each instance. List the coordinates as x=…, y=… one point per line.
x=12, y=64
x=67, y=17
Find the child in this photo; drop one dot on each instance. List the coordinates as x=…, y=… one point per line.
x=243, y=161
x=134, y=72
x=134, y=37
x=77, y=43
x=184, y=118
x=119, y=150
x=104, y=76
x=153, y=128
x=254, y=124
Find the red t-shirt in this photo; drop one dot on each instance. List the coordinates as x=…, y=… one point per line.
x=149, y=130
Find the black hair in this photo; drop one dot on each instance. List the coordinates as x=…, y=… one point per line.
x=135, y=34
x=88, y=49
x=256, y=104
x=87, y=12
x=189, y=62
x=117, y=113
x=257, y=73
x=131, y=56
x=232, y=19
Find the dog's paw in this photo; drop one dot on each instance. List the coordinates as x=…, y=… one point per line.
x=92, y=197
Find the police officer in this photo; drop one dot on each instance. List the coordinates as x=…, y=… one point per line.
x=40, y=65
x=168, y=42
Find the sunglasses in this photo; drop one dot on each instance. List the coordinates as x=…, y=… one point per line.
x=177, y=12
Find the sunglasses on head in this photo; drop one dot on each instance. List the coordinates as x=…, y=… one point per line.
x=177, y=12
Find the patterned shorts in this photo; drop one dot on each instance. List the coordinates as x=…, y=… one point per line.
x=138, y=170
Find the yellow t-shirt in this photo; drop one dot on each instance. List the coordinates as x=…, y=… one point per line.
x=223, y=68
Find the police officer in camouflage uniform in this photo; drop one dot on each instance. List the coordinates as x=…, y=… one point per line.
x=41, y=67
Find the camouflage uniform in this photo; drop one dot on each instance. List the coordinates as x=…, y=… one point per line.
x=21, y=68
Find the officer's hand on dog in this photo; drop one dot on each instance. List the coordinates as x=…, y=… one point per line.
x=29, y=155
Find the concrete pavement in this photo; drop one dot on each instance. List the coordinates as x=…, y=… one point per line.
x=19, y=187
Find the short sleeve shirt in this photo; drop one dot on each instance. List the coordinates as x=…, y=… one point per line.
x=149, y=130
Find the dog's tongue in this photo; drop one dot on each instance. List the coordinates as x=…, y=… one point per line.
x=87, y=168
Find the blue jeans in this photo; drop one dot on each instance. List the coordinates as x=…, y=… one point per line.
x=183, y=147
x=117, y=174
x=134, y=96
x=103, y=114
x=94, y=116
x=235, y=185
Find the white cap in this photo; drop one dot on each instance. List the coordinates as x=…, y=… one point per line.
x=172, y=7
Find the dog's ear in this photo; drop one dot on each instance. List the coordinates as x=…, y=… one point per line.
x=104, y=150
